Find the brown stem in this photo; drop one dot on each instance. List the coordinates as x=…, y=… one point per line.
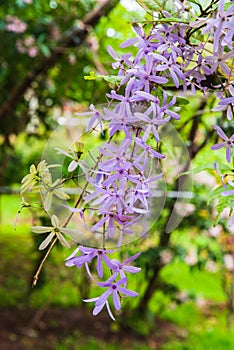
x=36, y=276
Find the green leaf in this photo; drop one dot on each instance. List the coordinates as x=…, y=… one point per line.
x=168, y=20
x=44, y=49
x=113, y=79
x=227, y=5
x=92, y=76
x=217, y=193
x=208, y=166
x=180, y=101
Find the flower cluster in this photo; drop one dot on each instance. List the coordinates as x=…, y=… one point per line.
x=115, y=193
x=116, y=288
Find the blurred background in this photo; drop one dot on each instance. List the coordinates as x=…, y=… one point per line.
x=186, y=285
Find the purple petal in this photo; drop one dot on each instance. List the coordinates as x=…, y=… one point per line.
x=132, y=269
x=228, y=154
x=98, y=309
x=128, y=292
x=128, y=42
x=108, y=262
x=116, y=300
x=122, y=281
x=159, y=80
x=111, y=52
x=99, y=266
x=218, y=146
x=174, y=78
x=103, y=298
x=227, y=193
x=220, y=132
x=109, y=311
x=226, y=101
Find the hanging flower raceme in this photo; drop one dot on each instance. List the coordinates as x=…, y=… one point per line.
x=116, y=191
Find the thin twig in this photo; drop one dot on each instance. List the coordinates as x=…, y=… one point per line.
x=36, y=276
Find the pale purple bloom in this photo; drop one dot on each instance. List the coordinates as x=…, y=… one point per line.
x=146, y=76
x=152, y=119
x=217, y=60
x=98, y=309
x=121, y=174
x=147, y=150
x=174, y=71
x=96, y=117
x=88, y=254
x=119, y=121
x=116, y=153
x=228, y=142
x=144, y=43
x=119, y=64
x=220, y=25
x=195, y=75
x=169, y=43
x=121, y=268
x=110, y=218
x=116, y=291
x=108, y=198
x=164, y=109
x=125, y=106
x=226, y=103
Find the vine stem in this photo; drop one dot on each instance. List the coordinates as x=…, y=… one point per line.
x=36, y=276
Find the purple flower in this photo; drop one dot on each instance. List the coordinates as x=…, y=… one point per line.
x=114, y=289
x=99, y=308
x=165, y=106
x=144, y=155
x=124, y=107
x=121, y=175
x=142, y=42
x=228, y=142
x=96, y=117
x=152, y=121
x=88, y=254
x=174, y=71
x=111, y=218
x=119, y=64
x=116, y=154
x=227, y=103
x=146, y=75
x=217, y=60
x=121, y=268
x=220, y=26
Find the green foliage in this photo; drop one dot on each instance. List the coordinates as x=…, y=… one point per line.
x=112, y=79
x=53, y=89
